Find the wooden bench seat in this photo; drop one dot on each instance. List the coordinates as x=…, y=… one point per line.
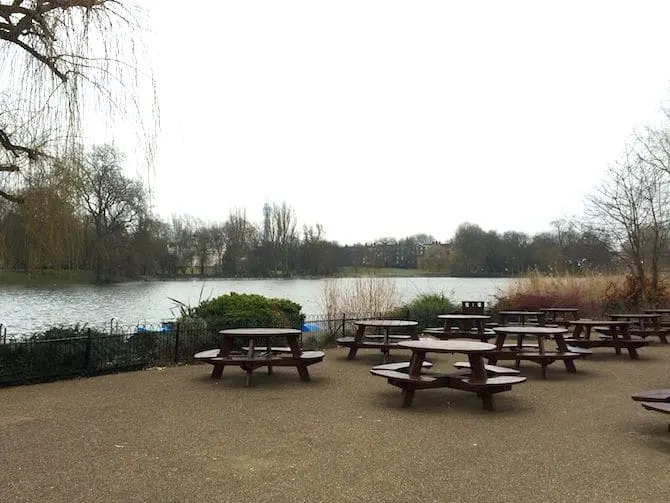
x=403, y=377
x=490, y=369
x=581, y=351
x=312, y=355
x=497, y=381
x=544, y=359
x=663, y=407
x=275, y=349
x=652, y=395
x=511, y=345
x=402, y=337
x=400, y=366
x=349, y=342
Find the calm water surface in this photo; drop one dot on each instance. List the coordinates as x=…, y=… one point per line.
x=26, y=309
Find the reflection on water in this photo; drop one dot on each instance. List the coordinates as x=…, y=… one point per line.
x=28, y=308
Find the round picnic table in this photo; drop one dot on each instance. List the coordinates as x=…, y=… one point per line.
x=560, y=315
x=383, y=341
x=461, y=325
x=475, y=380
x=538, y=353
x=618, y=336
x=520, y=315
x=262, y=354
x=643, y=324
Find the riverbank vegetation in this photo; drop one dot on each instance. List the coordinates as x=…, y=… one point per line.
x=594, y=294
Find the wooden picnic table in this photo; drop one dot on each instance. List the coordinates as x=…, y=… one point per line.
x=617, y=336
x=535, y=353
x=560, y=315
x=511, y=317
x=474, y=378
x=260, y=354
x=384, y=341
x=643, y=324
x=461, y=325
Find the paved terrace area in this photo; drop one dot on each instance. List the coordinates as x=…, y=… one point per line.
x=174, y=435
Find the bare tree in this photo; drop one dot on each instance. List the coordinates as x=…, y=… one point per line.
x=113, y=203
x=283, y=238
x=241, y=236
x=57, y=57
x=630, y=209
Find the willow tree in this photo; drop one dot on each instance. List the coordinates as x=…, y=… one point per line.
x=57, y=59
x=67, y=67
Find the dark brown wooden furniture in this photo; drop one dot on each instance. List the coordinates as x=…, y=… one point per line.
x=384, y=341
x=473, y=307
x=643, y=324
x=560, y=315
x=462, y=325
x=537, y=354
x=521, y=317
x=475, y=379
x=260, y=354
x=663, y=311
x=653, y=395
x=618, y=336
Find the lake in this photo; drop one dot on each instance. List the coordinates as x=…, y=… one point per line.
x=25, y=309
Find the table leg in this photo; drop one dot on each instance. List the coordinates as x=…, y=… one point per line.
x=217, y=371
x=294, y=344
x=414, y=370
x=563, y=348
x=487, y=401
x=385, y=346
x=477, y=369
x=268, y=343
x=540, y=347
x=658, y=328
x=250, y=354
x=625, y=335
x=500, y=340
x=358, y=336
x=519, y=347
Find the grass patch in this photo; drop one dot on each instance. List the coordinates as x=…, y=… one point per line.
x=350, y=271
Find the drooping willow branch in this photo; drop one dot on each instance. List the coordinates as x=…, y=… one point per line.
x=58, y=53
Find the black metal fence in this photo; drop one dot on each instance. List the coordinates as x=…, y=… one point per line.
x=67, y=352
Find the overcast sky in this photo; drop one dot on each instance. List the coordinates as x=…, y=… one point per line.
x=389, y=118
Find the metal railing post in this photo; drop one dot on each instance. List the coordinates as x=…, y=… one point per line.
x=176, y=345
x=89, y=362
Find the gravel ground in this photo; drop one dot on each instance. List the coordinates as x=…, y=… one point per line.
x=175, y=435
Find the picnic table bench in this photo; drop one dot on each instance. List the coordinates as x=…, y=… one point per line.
x=474, y=377
x=255, y=356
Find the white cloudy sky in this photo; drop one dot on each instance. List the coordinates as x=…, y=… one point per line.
x=389, y=118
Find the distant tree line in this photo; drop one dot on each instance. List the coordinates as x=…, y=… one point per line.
x=87, y=215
